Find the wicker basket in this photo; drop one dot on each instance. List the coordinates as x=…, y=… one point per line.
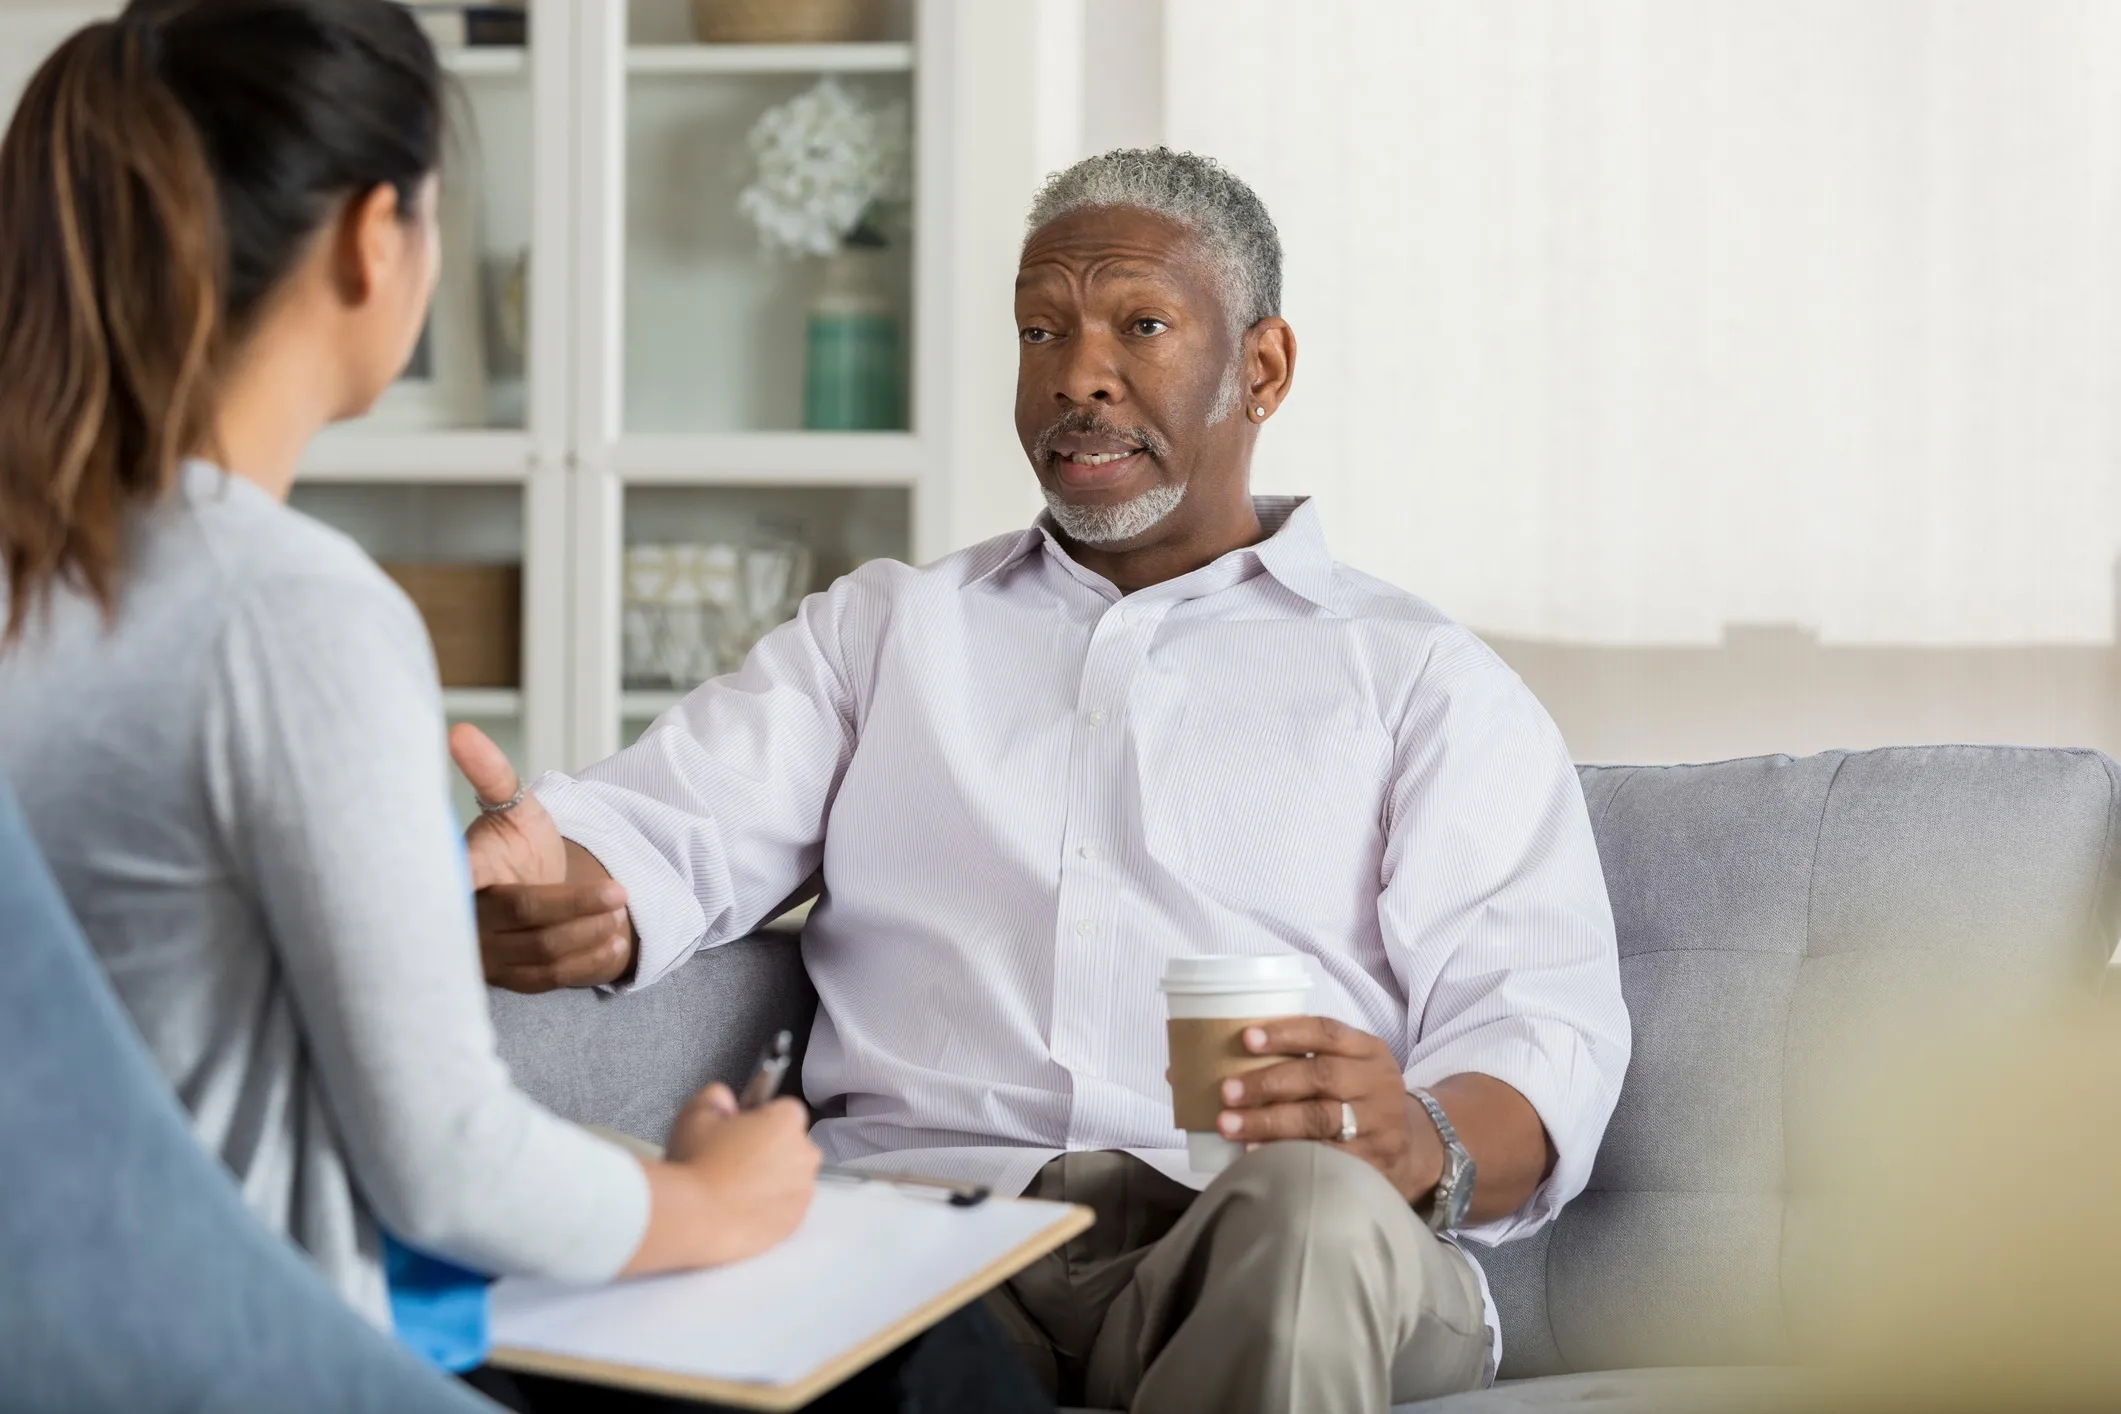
x=474, y=614
x=782, y=21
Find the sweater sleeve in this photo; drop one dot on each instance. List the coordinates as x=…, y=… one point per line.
x=327, y=767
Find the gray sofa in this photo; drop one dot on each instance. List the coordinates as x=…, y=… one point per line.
x=1763, y=907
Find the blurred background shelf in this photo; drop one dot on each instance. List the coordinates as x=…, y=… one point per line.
x=792, y=458
x=356, y=453
x=482, y=702
x=642, y=706
x=715, y=326
x=842, y=526
x=492, y=61
x=425, y=519
x=884, y=57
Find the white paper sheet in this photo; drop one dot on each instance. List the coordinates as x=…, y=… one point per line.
x=866, y=1256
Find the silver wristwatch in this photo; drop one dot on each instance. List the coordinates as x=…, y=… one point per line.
x=1453, y=1196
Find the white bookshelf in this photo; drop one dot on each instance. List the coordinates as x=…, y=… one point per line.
x=487, y=62
x=783, y=458
x=882, y=57
x=655, y=397
x=686, y=338
x=657, y=394
x=487, y=703
x=352, y=454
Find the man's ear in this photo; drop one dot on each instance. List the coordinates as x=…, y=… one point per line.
x=365, y=241
x=1270, y=365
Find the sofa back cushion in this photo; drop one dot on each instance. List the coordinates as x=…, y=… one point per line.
x=629, y=1061
x=1765, y=908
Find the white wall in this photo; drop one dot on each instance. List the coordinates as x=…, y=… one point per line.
x=1624, y=322
x=1744, y=371
x=1040, y=84
x=996, y=157
x=31, y=29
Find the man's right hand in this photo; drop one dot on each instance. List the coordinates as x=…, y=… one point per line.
x=549, y=914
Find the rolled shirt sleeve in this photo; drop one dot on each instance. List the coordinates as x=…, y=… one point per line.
x=717, y=813
x=1495, y=917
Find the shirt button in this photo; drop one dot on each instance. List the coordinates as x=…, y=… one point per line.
x=1083, y=927
x=1090, y=851
x=1096, y=716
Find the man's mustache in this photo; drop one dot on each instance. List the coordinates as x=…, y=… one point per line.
x=1084, y=423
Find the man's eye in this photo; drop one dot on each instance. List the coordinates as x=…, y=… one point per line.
x=1034, y=336
x=1149, y=327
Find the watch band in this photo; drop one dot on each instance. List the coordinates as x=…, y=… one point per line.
x=1453, y=1194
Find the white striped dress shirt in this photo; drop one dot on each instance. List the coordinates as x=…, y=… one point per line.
x=1029, y=791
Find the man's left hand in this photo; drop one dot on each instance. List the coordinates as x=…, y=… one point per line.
x=1302, y=1099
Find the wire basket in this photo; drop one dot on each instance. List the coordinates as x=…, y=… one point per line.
x=782, y=21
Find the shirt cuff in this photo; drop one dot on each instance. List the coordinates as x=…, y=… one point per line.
x=1546, y=1064
x=666, y=916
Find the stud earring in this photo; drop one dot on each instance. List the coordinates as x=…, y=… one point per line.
x=1259, y=413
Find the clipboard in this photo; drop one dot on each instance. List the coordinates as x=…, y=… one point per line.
x=870, y=1268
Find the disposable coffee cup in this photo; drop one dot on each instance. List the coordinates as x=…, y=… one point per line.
x=1212, y=1001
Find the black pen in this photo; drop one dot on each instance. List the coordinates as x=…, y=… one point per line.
x=765, y=1082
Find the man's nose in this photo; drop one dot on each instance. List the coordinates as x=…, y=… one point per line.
x=1091, y=372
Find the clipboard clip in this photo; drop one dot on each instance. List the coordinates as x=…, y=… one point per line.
x=951, y=1191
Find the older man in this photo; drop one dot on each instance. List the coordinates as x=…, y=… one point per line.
x=1161, y=722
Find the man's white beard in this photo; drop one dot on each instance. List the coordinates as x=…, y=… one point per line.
x=1106, y=525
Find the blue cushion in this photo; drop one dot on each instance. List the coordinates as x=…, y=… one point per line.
x=131, y=1275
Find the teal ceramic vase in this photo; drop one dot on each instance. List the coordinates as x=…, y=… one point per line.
x=853, y=362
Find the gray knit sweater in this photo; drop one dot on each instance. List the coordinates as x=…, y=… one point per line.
x=241, y=785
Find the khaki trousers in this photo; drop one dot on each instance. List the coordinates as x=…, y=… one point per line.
x=1299, y=1281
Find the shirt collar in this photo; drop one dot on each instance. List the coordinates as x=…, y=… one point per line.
x=1293, y=548
x=1015, y=549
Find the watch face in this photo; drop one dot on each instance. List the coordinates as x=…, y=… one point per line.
x=1461, y=1200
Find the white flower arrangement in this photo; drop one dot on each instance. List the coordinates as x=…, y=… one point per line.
x=826, y=160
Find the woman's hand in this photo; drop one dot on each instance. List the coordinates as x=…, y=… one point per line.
x=734, y=1183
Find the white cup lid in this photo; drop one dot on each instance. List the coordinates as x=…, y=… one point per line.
x=1277, y=972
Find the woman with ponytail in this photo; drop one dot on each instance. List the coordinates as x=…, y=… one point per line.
x=217, y=234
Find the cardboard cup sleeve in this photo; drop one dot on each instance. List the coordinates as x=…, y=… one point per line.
x=1206, y=1051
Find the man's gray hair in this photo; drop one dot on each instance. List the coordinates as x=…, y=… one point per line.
x=1197, y=193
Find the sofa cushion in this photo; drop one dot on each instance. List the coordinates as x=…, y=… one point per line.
x=1766, y=908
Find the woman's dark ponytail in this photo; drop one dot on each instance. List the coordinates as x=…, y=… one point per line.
x=110, y=309
x=163, y=171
